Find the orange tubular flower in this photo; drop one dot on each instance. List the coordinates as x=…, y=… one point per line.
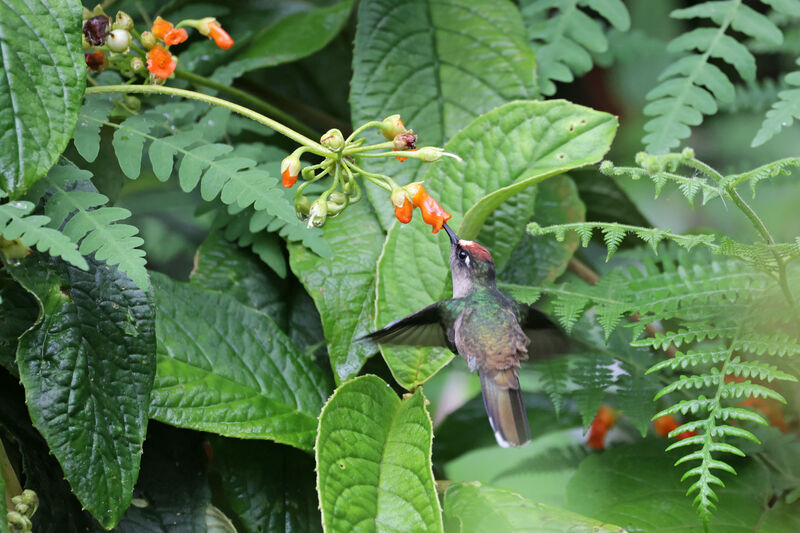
x=432, y=212
x=160, y=62
x=403, y=213
x=603, y=421
x=290, y=169
x=175, y=36
x=211, y=28
x=161, y=28
x=664, y=424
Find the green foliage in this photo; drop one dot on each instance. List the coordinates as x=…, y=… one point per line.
x=565, y=37
x=691, y=86
x=42, y=79
x=784, y=111
x=392, y=458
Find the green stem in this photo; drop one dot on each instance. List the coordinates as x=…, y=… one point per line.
x=380, y=180
x=368, y=148
x=373, y=124
x=313, y=146
x=765, y=234
x=7, y=471
x=249, y=99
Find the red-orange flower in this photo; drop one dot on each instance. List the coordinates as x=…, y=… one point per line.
x=432, y=212
x=160, y=62
x=175, y=36
x=664, y=424
x=290, y=169
x=403, y=213
x=211, y=28
x=603, y=421
x=161, y=28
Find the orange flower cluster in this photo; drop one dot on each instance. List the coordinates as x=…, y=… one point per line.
x=160, y=62
x=165, y=31
x=664, y=425
x=603, y=421
x=432, y=212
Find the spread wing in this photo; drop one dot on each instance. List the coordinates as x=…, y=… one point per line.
x=426, y=327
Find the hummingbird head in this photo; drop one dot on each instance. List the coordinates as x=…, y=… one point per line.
x=470, y=263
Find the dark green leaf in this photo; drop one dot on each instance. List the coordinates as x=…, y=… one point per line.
x=501, y=159
x=18, y=312
x=474, y=507
x=605, y=200
x=342, y=287
x=638, y=487
x=42, y=79
x=269, y=486
x=226, y=368
x=87, y=367
x=374, y=460
x=439, y=65
x=172, y=493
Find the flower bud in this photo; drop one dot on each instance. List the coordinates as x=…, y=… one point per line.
x=123, y=21
x=318, y=213
x=392, y=126
x=96, y=61
x=98, y=10
x=430, y=154
x=119, y=41
x=399, y=197
x=86, y=14
x=137, y=65
x=290, y=169
x=18, y=521
x=336, y=203
x=333, y=140
x=212, y=29
x=348, y=187
x=148, y=39
x=131, y=102
x=302, y=206
x=308, y=173
x=95, y=29
x=405, y=141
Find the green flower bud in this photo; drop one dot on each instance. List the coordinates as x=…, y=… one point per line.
x=123, y=21
x=137, y=65
x=318, y=213
x=131, y=102
x=333, y=139
x=392, y=126
x=336, y=203
x=399, y=197
x=302, y=206
x=148, y=39
x=119, y=41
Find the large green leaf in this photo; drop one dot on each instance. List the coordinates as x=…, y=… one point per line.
x=269, y=486
x=42, y=79
x=18, y=312
x=473, y=507
x=506, y=150
x=226, y=368
x=638, y=487
x=172, y=491
x=374, y=460
x=439, y=64
x=87, y=367
x=342, y=287
x=291, y=38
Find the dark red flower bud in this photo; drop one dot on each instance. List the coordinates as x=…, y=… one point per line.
x=96, y=61
x=95, y=29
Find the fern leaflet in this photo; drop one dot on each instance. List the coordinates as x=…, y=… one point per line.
x=783, y=112
x=17, y=223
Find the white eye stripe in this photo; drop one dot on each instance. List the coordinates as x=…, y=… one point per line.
x=466, y=260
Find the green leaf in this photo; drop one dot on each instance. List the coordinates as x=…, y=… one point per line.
x=94, y=112
x=226, y=368
x=87, y=367
x=18, y=312
x=783, y=112
x=3, y=508
x=76, y=205
x=172, y=490
x=439, y=65
x=508, y=149
x=605, y=200
x=637, y=487
x=42, y=79
x=373, y=457
x=474, y=507
x=289, y=39
x=269, y=486
x=539, y=471
x=343, y=287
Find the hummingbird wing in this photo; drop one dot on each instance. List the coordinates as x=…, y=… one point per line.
x=430, y=326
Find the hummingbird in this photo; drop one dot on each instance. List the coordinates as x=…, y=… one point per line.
x=481, y=324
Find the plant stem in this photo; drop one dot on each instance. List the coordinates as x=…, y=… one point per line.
x=7, y=471
x=368, y=148
x=249, y=99
x=313, y=146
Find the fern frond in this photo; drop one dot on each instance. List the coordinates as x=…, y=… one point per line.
x=593, y=376
x=692, y=86
x=17, y=223
x=784, y=111
x=768, y=171
x=756, y=369
x=564, y=36
x=613, y=234
x=756, y=96
x=554, y=374
x=77, y=206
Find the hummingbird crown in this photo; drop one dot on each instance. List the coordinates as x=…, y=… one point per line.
x=476, y=250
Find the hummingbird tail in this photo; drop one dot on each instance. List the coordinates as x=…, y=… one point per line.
x=505, y=408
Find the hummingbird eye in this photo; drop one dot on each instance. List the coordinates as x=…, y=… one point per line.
x=462, y=255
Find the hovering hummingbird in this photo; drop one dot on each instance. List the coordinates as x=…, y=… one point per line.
x=482, y=325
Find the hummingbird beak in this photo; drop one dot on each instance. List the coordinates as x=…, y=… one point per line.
x=453, y=237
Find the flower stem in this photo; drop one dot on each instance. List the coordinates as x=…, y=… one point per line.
x=313, y=146
x=368, y=148
x=249, y=99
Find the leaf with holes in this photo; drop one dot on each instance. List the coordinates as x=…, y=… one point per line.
x=374, y=460
x=225, y=368
x=439, y=64
x=42, y=79
x=87, y=367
